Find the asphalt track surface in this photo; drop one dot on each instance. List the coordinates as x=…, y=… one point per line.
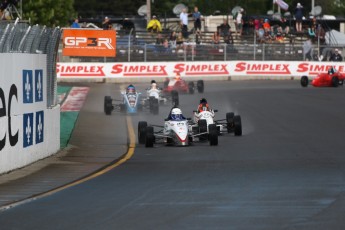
x=285, y=172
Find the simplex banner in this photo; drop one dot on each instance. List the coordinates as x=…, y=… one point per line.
x=197, y=69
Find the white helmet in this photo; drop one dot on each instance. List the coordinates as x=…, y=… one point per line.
x=176, y=114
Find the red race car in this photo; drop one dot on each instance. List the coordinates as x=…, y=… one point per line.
x=180, y=85
x=332, y=78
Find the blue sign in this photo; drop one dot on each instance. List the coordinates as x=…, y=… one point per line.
x=27, y=87
x=38, y=85
x=28, y=129
x=39, y=127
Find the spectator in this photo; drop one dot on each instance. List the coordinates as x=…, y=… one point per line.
x=159, y=39
x=261, y=35
x=257, y=25
x=172, y=39
x=197, y=19
x=225, y=31
x=106, y=25
x=154, y=25
x=279, y=36
x=184, y=22
x=239, y=22
x=299, y=17
x=216, y=38
x=308, y=49
x=127, y=25
x=198, y=37
x=75, y=24
x=179, y=39
x=266, y=25
x=336, y=56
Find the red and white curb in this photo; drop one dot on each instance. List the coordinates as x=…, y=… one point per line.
x=75, y=99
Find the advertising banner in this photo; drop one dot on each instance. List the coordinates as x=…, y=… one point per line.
x=89, y=43
x=197, y=69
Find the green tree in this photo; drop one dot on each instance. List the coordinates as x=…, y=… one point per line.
x=49, y=12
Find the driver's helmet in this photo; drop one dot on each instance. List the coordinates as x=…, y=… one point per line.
x=130, y=89
x=203, y=106
x=178, y=76
x=153, y=81
x=176, y=114
x=332, y=70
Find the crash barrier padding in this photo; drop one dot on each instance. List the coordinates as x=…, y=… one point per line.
x=239, y=69
x=29, y=131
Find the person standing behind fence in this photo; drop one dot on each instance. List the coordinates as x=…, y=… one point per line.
x=299, y=17
x=75, y=24
x=106, y=25
x=184, y=22
x=197, y=19
x=336, y=56
x=154, y=25
x=239, y=22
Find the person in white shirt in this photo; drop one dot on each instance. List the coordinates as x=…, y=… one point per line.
x=239, y=22
x=184, y=22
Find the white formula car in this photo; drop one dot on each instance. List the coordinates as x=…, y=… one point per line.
x=202, y=120
x=174, y=132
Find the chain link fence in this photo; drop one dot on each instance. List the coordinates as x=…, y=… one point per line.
x=210, y=52
x=20, y=37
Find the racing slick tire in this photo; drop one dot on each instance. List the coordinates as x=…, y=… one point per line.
x=202, y=129
x=213, y=134
x=108, y=107
x=230, y=122
x=150, y=138
x=142, y=131
x=304, y=81
x=154, y=106
x=174, y=98
x=200, y=86
x=341, y=82
x=335, y=81
x=191, y=87
x=237, y=126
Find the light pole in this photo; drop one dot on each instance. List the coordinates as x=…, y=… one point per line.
x=148, y=10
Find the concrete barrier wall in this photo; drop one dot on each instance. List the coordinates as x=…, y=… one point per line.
x=134, y=71
x=29, y=131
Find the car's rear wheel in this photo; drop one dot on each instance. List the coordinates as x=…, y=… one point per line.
x=230, y=121
x=304, y=81
x=142, y=131
x=335, y=81
x=200, y=86
x=237, y=126
x=108, y=107
x=150, y=138
x=191, y=87
x=175, y=98
x=202, y=129
x=213, y=134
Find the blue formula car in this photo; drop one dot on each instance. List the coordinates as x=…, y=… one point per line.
x=130, y=103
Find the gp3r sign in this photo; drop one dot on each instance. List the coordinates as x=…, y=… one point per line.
x=89, y=43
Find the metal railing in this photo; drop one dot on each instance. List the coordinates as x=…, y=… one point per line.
x=20, y=37
x=209, y=52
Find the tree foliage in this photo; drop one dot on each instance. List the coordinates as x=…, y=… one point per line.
x=49, y=12
x=61, y=12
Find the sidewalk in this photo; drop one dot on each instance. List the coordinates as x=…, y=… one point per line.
x=93, y=144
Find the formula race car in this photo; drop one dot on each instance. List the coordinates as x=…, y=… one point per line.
x=180, y=85
x=202, y=120
x=130, y=103
x=332, y=78
x=175, y=131
x=155, y=93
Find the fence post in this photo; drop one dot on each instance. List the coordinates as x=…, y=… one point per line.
x=129, y=45
x=263, y=51
x=192, y=52
x=254, y=45
x=145, y=52
x=225, y=48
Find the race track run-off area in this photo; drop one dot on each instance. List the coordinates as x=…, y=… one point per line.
x=285, y=172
